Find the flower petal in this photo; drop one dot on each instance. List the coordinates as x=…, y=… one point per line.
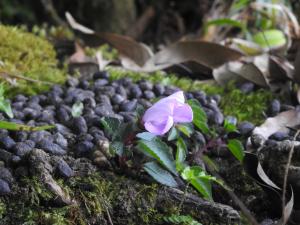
x=159, y=128
x=183, y=114
x=159, y=111
x=177, y=96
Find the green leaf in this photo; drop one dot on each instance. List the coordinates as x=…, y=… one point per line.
x=185, y=128
x=172, y=134
x=197, y=177
x=159, y=174
x=200, y=118
x=270, y=38
x=111, y=125
x=237, y=149
x=117, y=147
x=181, y=151
x=5, y=107
x=229, y=127
x=77, y=109
x=20, y=127
x=146, y=136
x=226, y=22
x=160, y=151
x=181, y=219
x=5, y=104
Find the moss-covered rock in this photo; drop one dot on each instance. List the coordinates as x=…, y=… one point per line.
x=24, y=54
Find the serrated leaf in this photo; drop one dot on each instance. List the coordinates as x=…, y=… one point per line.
x=111, y=125
x=159, y=174
x=146, y=136
x=237, y=149
x=185, y=128
x=77, y=109
x=117, y=147
x=181, y=151
x=20, y=127
x=160, y=151
x=270, y=38
x=199, y=116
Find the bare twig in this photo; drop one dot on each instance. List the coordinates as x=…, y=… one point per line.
x=20, y=77
x=286, y=173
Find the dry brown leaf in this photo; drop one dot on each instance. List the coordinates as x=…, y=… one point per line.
x=281, y=122
x=239, y=71
x=138, y=57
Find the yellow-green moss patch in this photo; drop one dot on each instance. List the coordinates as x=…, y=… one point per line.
x=22, y=53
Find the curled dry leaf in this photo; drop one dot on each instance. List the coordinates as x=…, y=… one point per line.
x=240, y=71
x=281, y=122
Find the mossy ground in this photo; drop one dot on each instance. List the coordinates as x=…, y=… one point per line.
x=98, y=197
x=24, y=54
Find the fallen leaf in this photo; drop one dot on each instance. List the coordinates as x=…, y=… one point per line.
x=261, y=173
x=281, y=122
x=287, y=211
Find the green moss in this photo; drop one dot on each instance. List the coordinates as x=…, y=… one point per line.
x=24, y=54
x=2, y=209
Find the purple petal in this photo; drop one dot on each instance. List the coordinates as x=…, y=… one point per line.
x=177, y=96
x=159, y=127
x=158, y=111
x=183, y=114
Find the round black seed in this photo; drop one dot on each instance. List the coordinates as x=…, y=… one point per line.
x=79, y=125
x=135, y=91
x=30, y=113
x=274, y=107
x=279, y=136
x=5, y=156
x=89, y=102
x=20, y=98
x=38, y=136
x=7, y=142
x=159, y=89
x=16, y=159
x=51, y=147
x=84, y=148
x=4, y=187
x=6, y=175
x=128, y=106
x=84, y=84
x=20, y=136
x=117, y=99
x=101, y=75
x=145, y=103
x=22, y=148
x=60, y=140
x=72, y=82
x=64, y=170
x=128, y=116
x=121, y=91
x=149, y=95
x=18, y=105
x=99, y=83
x=189, y=95
x=247, y=87
x=63, y=115
x=146, y=85
x=245, y=128
x=217, y=98
x=103, y=99
x=104, y=110
x=201, y=97
x=57, y=89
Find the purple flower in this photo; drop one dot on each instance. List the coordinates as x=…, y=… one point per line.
x=168, y=111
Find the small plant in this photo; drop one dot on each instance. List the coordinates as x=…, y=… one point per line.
x=168, y=141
